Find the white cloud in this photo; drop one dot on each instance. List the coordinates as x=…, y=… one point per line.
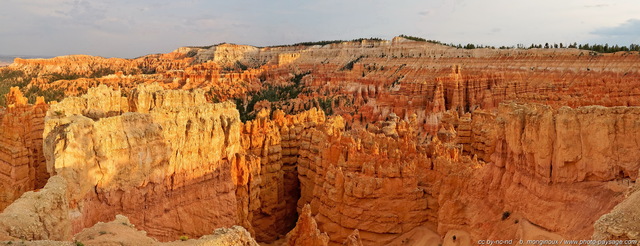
x=625, y=33
x=133, y=28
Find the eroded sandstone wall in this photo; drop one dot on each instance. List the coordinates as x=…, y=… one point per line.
x=276, y=141
x=77, y=64
x=385, y=185
x=22, y=164
x=167, y=164
x=373, y=183
x=568, y=145
x=420, y=139
x=560, y=169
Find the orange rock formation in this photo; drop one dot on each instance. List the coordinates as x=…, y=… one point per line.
x=357, y=143
x=306, y=231
x=22, y=164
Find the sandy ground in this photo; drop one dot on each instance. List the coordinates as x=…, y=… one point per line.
x=275, y=243
x=419, y=236
x=457, y=238
x=529, y=231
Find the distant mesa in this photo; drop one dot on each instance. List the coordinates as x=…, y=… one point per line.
x=406, y=141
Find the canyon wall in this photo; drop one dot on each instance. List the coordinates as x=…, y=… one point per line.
x=385, y=186
x=568, y=145
x=560, y=169
x=22, y=163
x=276, y=139
x=114, y=155
x=621, y=223
x=42, y=217
x=371, y=142
x=366, y=80
x=83, y=65
x=122, y=232
x=167, y=164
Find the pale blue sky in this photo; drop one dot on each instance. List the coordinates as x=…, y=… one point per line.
x=127, y=28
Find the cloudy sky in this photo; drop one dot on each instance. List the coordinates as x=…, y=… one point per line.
x=126, y=28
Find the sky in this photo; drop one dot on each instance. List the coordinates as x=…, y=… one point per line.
x=132, y=28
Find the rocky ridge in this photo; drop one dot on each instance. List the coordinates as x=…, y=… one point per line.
x=21, y=155
x=388, y=142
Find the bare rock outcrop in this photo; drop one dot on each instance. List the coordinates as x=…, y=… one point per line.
x=274, y=187
x=353, y=239
x=306, y=231
x=344, y=175
x=527, y=167
x=622, y=222
x=76, y=64
x=39, y=215
x=117, y=232
x=22, y=164
x=122, y=232
x=389, y=142
x=569, y=145
x=359, y=180
x=170, y=159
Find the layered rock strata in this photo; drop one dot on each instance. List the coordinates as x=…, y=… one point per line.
x=22, y=163
x=415, y=138
x=306, y=231
x=385, y=186
x=122, y=232
x=164, y=164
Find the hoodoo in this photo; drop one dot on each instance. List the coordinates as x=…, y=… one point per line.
x=364, y=142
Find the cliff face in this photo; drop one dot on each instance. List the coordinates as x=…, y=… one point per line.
x=170, y=158
x=365, y=182
x=306, y=231
x=388, y=142
x=621, y=223
x=78, y=64
x=22, y=164
x=276, y=141
x=534, y=174
x=122, y=232
x=569, y=145
x=39, y=215
x=385, y=185
x=365, y=81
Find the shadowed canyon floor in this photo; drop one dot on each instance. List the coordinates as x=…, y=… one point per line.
x=357, y=143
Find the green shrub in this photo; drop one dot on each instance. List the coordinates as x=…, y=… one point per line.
x=326, y=42
x=101, y=72
x=51, y=94
x=413, y=38
x=10, y=78
x=271, y=94
x=326, y=105
x=63, y=76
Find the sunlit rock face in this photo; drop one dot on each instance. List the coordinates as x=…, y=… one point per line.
x=22, y=164
x=169, y=158
x=355, y=143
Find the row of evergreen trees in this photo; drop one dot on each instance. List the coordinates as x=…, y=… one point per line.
x=325, y=42
x=606, y=48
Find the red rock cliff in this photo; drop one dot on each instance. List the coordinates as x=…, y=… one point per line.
x=22, y=164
